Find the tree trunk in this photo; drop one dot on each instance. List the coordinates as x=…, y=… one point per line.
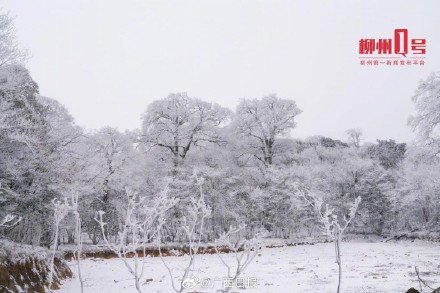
x=269, y=152
x=79, y=249
x=338, y=257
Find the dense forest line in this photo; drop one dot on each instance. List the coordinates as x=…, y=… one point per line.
x=250, y=162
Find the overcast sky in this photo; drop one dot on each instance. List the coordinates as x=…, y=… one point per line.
x=107, y=60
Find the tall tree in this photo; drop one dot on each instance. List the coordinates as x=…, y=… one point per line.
x=110, y=158
x=263, y=121
x=179, y=122
x=354, y=136
x=10, y=53
x=426, y=123
x=21, y=115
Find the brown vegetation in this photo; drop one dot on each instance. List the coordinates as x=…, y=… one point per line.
x=31, y=275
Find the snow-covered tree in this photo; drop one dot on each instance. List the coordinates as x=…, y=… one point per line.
x=244, y=250
x=179, y=122
x=418, y=192
x=10, y=52
x=426, y=123
x=193, y=225
x=74, y=208
x=110, y=164
x=23, y=137
x=22, y=117
x=138, y=228
x=264, y=120
x=388, y=153
x=332, y=225
x=354, y=136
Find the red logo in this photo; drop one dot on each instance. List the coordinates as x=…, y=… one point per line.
x=396, y=50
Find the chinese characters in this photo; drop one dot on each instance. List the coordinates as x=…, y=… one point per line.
x=399, y=51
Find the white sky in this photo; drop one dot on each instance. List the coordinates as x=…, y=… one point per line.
x=107, y=60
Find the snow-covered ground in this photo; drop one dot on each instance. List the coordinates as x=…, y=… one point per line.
x=368, y=267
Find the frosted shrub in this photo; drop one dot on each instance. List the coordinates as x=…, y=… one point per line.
x=244, y=251
x=137, y=228
x=193, y=227
x=332, y=226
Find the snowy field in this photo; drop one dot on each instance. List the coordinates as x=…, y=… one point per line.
x=368, y=267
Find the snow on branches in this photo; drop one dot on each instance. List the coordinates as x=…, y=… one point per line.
x=193, y=226
x=137, y=229
x=244, y=250
x=332, y=226
x=7, y=221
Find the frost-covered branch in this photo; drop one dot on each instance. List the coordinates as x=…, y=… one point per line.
x=78, y=234
x=327, y=216
x=7, y=221
x=332, y=226
x=244, y=251
x=193, y=226
x=136, y=230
